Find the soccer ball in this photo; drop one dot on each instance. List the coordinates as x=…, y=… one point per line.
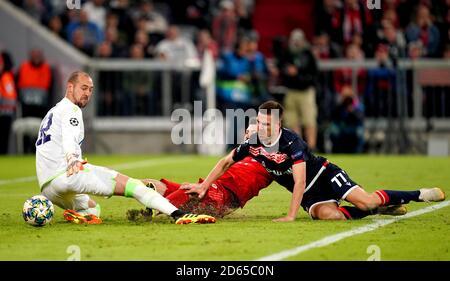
x=38, y=210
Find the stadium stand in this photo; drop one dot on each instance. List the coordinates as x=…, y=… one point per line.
x=385, y=56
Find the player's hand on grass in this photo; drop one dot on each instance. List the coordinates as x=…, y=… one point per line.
x=194, y=188
x=285, y=219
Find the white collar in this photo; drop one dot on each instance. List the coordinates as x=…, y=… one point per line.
x=66, y=100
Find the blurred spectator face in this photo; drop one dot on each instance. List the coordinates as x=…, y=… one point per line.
x=98, y=3
x=227, y=8
x=112, y=20
x=203, y=37
x=83, y=17
x=297, y=40
x=193, y=13
x=243, y=47
x=253, y=46
x=141, y=37
x=352, y=4
x=353, y=52
x=111, y=34
x=382, y=53
x=347, y=97
x=172, y=33
x=136, y=51
x=104, y=50
x=123, y=4
x=391, y=4
x=329, y=4
x=32, y=5
x=55, y=24
x=423, y=16
x=141, y=23
x=390, y=33
x=36, y=57
x=73, y=15
x=389, y=17
x=347, y=91
x=357, y=40
x=147, y=7
x=415, y=50
x=321, y=46
x=253, y=41
x=78, y=39
x=447, y=52
x=322, y=40
x=240, y=8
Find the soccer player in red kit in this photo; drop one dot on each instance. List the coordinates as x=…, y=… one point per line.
x=231, y=191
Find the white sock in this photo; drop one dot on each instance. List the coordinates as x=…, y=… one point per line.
x=148, y=197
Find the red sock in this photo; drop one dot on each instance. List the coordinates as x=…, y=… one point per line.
x=171, y=187
x=178, y=198
x=395, y=197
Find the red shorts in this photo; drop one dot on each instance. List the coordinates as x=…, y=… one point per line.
x=218, y=200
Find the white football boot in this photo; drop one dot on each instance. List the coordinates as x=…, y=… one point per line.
x=434, y=194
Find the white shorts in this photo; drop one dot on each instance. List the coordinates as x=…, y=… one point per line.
x=71, y=192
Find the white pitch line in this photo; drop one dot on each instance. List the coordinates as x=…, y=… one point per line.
x=340, y=236
x=17, y=180
x=125, y=166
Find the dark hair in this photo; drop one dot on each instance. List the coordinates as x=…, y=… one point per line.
x=270, y=105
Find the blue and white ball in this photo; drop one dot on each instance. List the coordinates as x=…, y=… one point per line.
x=38, y=210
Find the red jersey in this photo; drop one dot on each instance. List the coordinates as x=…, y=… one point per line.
x=245, y=179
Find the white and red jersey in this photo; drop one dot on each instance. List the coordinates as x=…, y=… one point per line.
x=61, y=134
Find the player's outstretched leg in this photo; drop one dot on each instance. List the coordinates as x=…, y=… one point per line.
x=395, y=197
x=150, y=198
x=331, y=211
x=352, y=213
x=390, y=201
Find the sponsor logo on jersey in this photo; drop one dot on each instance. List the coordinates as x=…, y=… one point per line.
x=276, y=173
x=275, y=157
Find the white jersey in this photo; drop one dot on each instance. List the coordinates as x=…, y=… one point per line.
x=61, y=133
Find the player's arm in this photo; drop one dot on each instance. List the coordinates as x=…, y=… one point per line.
x=221, y=167
x=299, y=173
x=70, y=130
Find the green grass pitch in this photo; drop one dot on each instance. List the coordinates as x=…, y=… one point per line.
x=247, y=234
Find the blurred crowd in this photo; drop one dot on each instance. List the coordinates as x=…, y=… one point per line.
x=176, y=30
x=123, y=28
x=417, y=28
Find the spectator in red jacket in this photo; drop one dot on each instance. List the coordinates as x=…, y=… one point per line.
x=34, y=82
x=8, y=99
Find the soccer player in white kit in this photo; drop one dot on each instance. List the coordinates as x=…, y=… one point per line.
x=66, y=179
